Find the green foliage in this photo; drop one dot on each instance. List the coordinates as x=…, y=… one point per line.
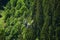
x=30, y=20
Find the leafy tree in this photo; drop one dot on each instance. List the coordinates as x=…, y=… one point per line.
x=30, y=20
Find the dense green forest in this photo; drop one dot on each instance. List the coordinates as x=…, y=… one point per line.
x=29, y=19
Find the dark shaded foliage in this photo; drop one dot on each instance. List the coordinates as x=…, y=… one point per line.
x=0, y=16
x=3, y=3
